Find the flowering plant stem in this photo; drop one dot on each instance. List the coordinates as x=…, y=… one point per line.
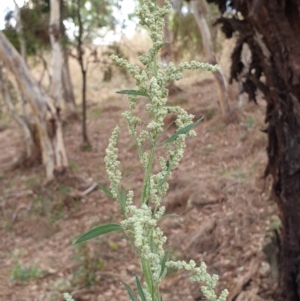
x=141, y=222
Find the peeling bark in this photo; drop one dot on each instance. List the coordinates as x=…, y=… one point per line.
x=272, y=31
x=44, y=111
x=61, y=88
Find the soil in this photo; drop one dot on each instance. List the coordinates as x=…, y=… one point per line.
x=226, y=217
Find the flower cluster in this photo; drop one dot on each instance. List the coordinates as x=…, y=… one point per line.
x=199, y=274
x=112, y=163
x=68, y=297
x=148, y=239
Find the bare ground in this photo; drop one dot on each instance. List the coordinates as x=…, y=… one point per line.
x=226, y=215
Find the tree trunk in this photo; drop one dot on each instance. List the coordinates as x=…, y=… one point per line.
x=84, y=130
x=272, y=31
x=61, y=88
x=199, y=14
x=43, y=109
x=30, y=145
x=57, y=53
x=68, y=94
x=80, y=56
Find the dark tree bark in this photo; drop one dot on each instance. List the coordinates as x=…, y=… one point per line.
x=272, y=30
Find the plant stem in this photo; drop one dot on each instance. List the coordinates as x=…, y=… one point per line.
x=146, y=184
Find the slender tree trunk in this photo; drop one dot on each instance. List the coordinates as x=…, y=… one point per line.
x=43, y=109
x=272, y=31
x=84, y=130
x=68, y=94
x=199, y=15
x=80, y=56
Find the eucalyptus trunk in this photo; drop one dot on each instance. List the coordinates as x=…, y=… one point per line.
x=29, y=142
x=44, y=110
x=61, y=88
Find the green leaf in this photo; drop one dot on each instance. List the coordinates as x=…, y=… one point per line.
x=140, y=289
x=133, y=92
x=147, y=274
x=130, y=292
x=99, y=231
x=184, y=130
x=163, y=262
x=168, y=164
x=105, y=190
x=170, y=215
x=123, y=199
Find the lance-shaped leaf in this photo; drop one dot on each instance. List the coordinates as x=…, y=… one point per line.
x=98, y=231
x=182, y=131
x=140, y=288
x=147, y=274
x=133, y=92
x=105, y=190
x=170, y=215
x=163, y=263
x=130, y=292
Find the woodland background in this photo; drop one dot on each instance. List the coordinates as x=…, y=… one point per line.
x=58, y=109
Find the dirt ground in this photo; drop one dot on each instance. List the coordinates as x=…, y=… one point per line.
x=225, y=213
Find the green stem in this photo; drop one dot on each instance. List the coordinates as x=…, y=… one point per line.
x=155, y=66
x=151, y=156
x=148, y=172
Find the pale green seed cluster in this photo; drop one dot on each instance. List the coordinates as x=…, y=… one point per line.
x=68, y=297
x=141, y=224
x=199, y=274
x=112, y=163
